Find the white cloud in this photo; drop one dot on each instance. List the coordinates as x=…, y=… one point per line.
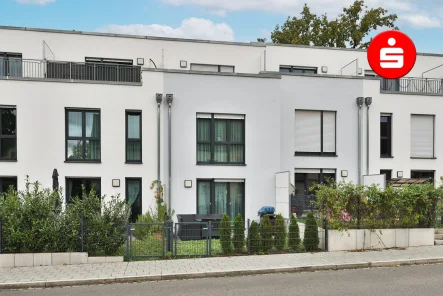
x=422, y=21
x=194, y=28
x=38, y=2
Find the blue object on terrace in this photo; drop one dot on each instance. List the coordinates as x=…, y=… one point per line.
x=266, y=211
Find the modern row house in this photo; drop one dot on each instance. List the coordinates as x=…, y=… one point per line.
x=226, y=127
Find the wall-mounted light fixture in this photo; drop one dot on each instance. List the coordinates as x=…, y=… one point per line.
x=140, y=61
x=359, y=71
x=344, y=173
x=188, y=183
x=324, y=69
x=115, y=182
x=183, y=64
x=400, y=174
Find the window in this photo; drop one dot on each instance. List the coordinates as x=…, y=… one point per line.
x=390, y=84
x=385, y=135
x=212, y=68
x=10, y=64
x=422, y=136
x=295, y=69
x=8, y=133
x=388, y=175
x=422, y=175
x=6, y=183
x=315, y=132
x=370, y=73
x=83, y=135
x=305, y=178
x=218, y=196
x=133, y=136
x=220, y=139
x=74, y=187
x=134, y=197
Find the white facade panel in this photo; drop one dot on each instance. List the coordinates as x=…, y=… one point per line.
x=328, y=131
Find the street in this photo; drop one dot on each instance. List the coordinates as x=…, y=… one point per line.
x=407, y=280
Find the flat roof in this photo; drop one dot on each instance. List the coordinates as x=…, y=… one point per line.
x=253, y=44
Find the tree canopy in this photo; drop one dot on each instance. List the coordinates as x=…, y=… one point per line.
x=350, y=28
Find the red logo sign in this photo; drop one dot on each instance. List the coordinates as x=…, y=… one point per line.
x=392, y=54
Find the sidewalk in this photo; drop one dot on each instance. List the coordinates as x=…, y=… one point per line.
x=88, y=274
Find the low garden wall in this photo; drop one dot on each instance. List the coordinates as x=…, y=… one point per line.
x=48, y=259
x=365, y=239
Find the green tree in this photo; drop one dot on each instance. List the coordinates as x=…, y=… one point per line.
x=239, y=234
x=311, y=239
x=351, y=27
x=266, y=234
x=294, y=240
x=254, y=237
x=280, y=233
x=226, y=234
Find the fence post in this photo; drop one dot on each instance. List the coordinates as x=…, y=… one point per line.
x=175, y=248
x=128, y=229
x=1, y=231
x=326, y=226
x=82, y=235
x=358, y=212
x=249, y=237
x=210, y=238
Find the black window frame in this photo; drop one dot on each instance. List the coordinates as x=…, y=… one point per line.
x=299, y=69
x=2, y=178
x=228, y=198
x=8, y=55
x=127, y=140
x=8, y=136
x=218, y=67
x=68, y=198
x=212, y=141
x=388, y=174
x=83, y=138
x=321, y=153
x=388, y=137
x=141, y=194
x=423, y=172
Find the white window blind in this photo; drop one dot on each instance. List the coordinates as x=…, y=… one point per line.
x=422, y=136
x=228, y=116
x=307, y=131
x=227, y=69
x=328, y=131
x=202, y=67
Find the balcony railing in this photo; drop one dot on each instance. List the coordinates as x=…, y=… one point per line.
x=413, y=85
x=100, y=72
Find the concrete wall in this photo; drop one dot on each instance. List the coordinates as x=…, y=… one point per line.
x=258, y=99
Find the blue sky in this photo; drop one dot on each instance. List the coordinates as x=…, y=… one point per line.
x=232, y=20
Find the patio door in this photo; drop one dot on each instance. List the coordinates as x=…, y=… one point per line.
x=306, y=178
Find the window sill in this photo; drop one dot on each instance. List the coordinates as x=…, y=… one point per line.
x=7, y=160
x=313, y=154
x=423, y=157
x=133, y=162
x=383, y=156
x=220, y=164
x=83, y=161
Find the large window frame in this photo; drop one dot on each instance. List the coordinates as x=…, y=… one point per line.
x=9, y=178
x=84, y=181
x=220, y=68
x=228, y=118
x=423, y=174
x=83, y=138
x=386, y=138
x=298, y=69
x=322, y=135
x=139, y=199
x=11, y=64
x=228, y=197
x=133, y=140
x=433, y=136
x=7, y=136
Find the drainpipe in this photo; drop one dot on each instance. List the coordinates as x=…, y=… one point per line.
x=169, y=98
x=368, y=102
x=158, y=98
x=360, y=101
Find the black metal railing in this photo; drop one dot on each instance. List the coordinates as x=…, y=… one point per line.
x=412, y=85
x=45, y=69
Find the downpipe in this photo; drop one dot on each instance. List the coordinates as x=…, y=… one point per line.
x=169, y=99
x=158, y=98
x=360, y=101
x=368, y=102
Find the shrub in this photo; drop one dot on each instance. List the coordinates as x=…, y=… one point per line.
x=294, y=240
x=266, y=234
x=254, y=237
x=311, y=239
x=280, y=233
x=225, y=234
x=239, y=234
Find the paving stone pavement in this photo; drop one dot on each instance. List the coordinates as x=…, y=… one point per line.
x=46, y=276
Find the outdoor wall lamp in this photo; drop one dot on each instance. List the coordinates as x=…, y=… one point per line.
x=344, y=173
x=400, y=174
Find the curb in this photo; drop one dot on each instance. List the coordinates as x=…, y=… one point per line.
x=214, y=274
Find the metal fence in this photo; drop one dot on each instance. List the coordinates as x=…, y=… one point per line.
x=45, y=69
x=413, y=85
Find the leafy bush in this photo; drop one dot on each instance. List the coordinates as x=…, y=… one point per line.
x=266, y=234
x=294, y=240
x=280, y=233
x=254, y=237
x=225, y=234
x=311, y=239
x=239, y=234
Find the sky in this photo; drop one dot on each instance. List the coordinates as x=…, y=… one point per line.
x=225, y=20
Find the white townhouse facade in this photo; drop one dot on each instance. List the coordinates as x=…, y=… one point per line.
x=223, y=125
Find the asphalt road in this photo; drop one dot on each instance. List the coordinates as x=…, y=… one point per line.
x=408, y=280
